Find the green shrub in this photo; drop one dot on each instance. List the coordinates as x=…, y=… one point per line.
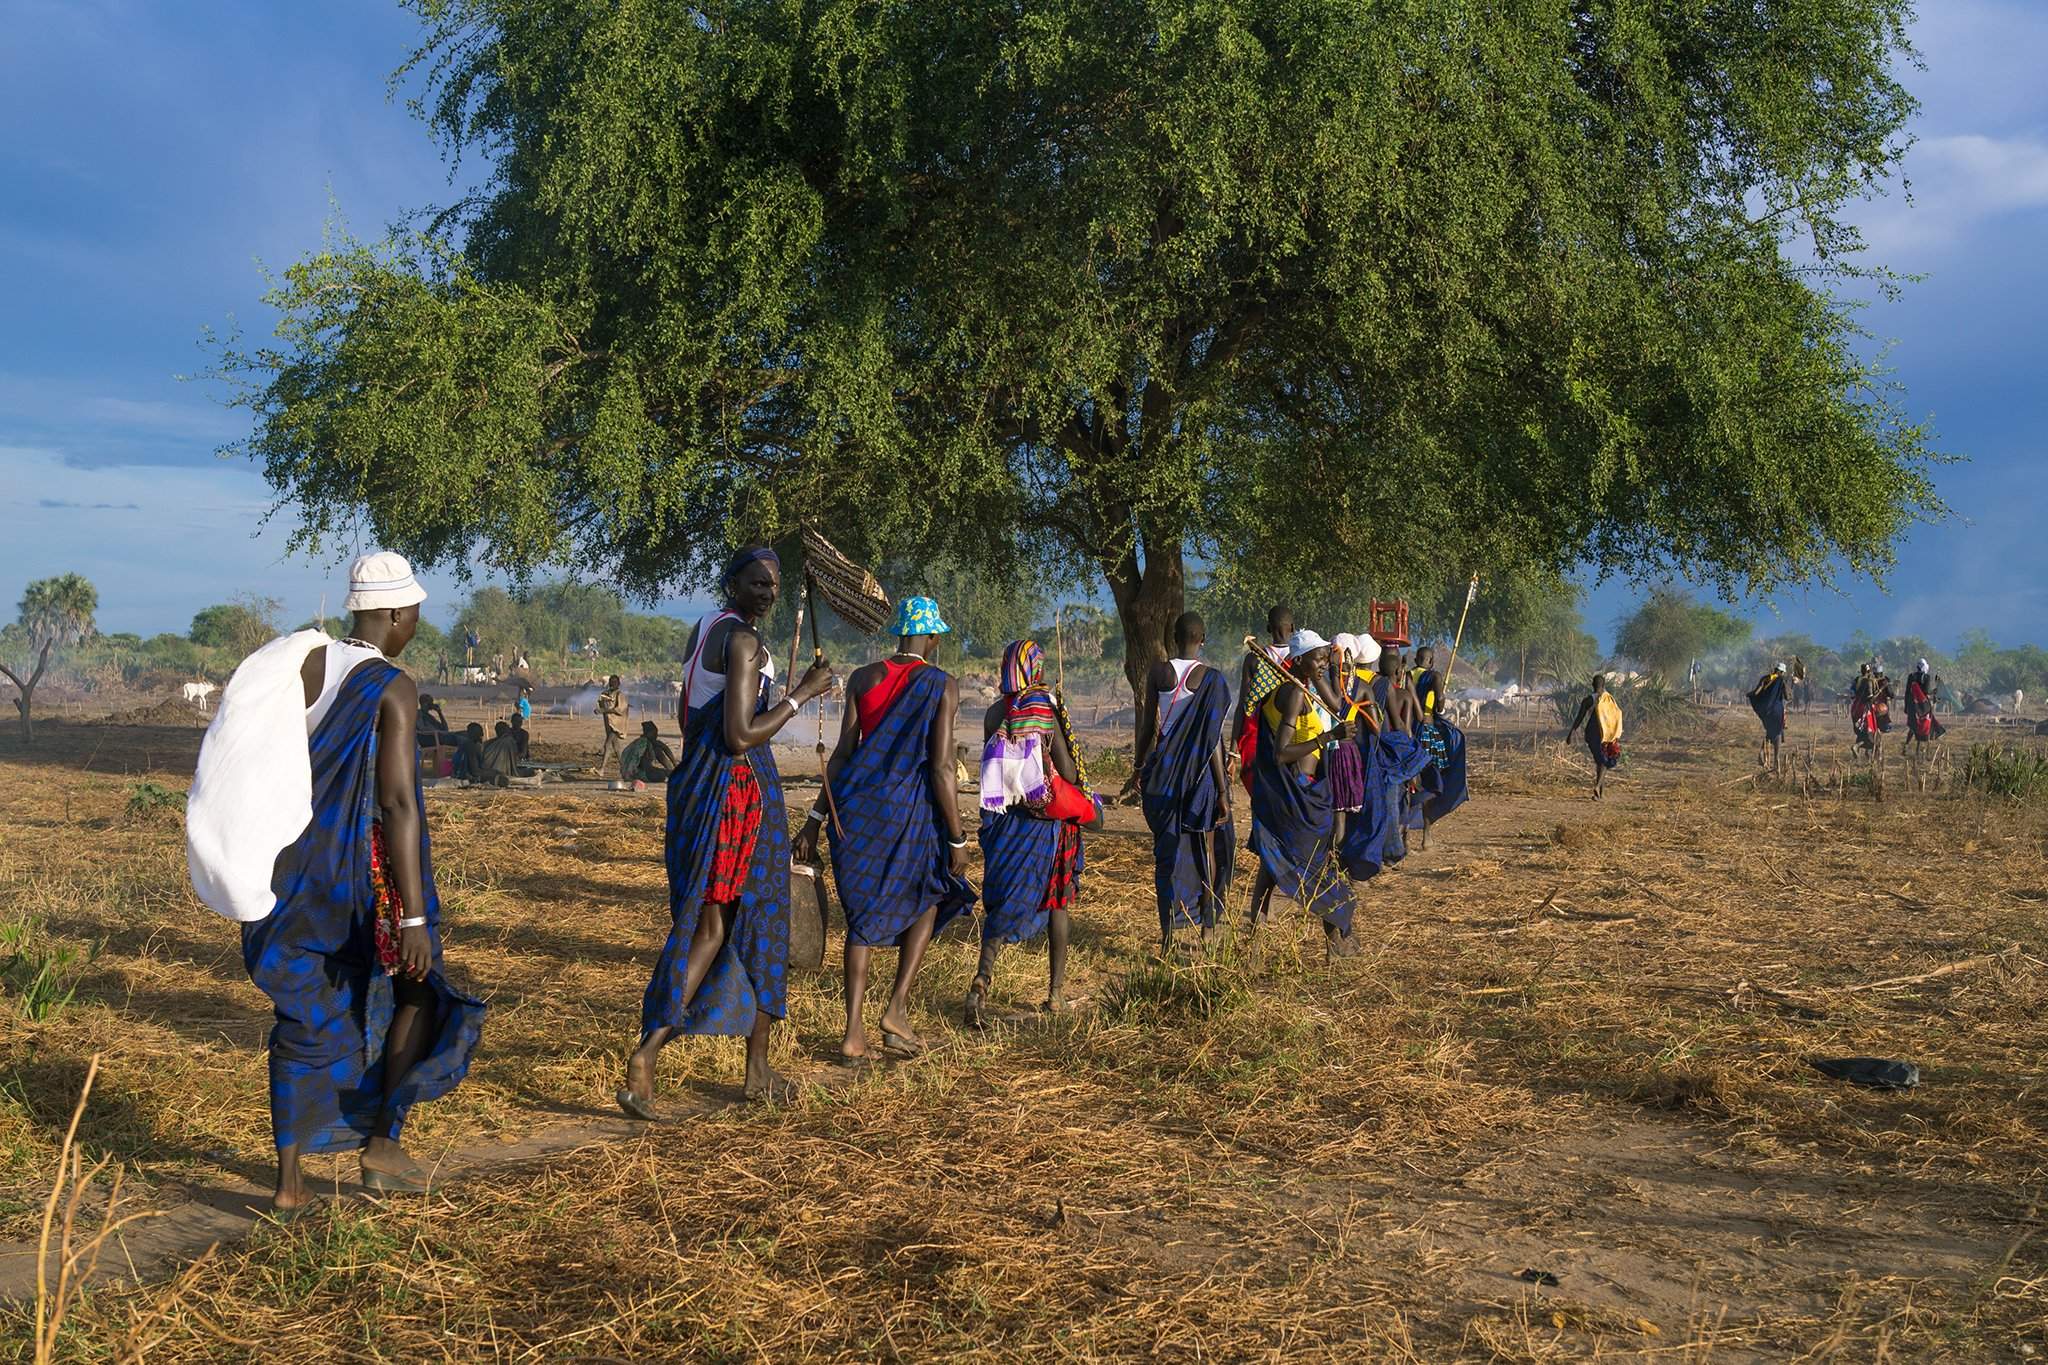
x=2003, y=770
x=146, y=800
x=36, y=974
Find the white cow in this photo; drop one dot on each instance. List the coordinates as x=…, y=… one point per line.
x=477, y=675
x=198, y=693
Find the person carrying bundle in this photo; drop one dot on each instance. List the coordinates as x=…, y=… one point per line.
x=898, y=853
x=1292, y=825
x=341, y=925
x=1179, y=770
x=722, y=971
x=1768, y=700
x=1034, y=804
x=1600, y=716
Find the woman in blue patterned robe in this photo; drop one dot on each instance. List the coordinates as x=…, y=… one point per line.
x=1031, y=864
x=1293, y=827
x=367, y=1024
x=722, y=971
x=1180, y=774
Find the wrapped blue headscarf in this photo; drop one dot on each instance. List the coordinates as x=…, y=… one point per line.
x=747, y=556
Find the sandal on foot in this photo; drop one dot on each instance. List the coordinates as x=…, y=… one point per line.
x=857, y=1061
x=394, y=1182
x=285, y=1217
x=896, y=1045
x=976, y=1006
x=635, y=1107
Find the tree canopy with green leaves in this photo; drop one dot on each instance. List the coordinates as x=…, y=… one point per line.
x=1358, y=291
x=54, y=611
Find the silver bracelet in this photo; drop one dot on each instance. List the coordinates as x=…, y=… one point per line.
x=956, y=843
x=816, y=817
x=413, y=922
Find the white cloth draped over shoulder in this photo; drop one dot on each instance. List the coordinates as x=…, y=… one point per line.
x=253, y=792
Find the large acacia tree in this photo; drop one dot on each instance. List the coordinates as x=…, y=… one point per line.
x=1362, y=292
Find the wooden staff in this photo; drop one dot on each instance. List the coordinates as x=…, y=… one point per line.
x=1471, y=594
x=818, y=656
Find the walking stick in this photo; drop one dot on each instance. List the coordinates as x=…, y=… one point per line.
x=1471, y=593
x=818, y=656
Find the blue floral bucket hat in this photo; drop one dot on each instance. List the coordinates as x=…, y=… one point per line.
x=920, y=616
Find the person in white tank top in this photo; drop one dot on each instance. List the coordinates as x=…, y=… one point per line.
x=729, y=907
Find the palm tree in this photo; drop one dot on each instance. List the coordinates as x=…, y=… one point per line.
x=54, y=611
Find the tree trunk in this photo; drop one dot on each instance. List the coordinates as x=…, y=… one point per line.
x=27, y=689
x=1149, y=593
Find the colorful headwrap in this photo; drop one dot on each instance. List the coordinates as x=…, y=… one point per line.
x=1023, y=666
x=747, y=556
x=1023, y=682
x=920, y=616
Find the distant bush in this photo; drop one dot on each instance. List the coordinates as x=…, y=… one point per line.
x=2002, y=770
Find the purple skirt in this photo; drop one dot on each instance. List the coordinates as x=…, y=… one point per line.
x=1344, y=776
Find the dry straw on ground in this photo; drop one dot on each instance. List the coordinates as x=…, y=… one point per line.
x=1576, y=1043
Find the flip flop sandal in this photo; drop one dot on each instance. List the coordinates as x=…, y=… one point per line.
x=635, y=1107
x=391, y=1182
x=286, y=1217
x=976, y=1007
x=859, y=1062
x=896, y=1045
x=782, y=1090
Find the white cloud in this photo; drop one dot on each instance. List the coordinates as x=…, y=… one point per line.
x=1960, y=181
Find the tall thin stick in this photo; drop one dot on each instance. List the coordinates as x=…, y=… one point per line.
x=1471, y=594
x=818, y=657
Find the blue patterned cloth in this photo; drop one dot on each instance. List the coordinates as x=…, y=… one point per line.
x=1291, y=828
x=750, y=972
x=1018, y=851
x=1768, y=701
x=890, y=860
x=1194, y=843
x=1442, y=783
x=1374, y=836
x=316, y=954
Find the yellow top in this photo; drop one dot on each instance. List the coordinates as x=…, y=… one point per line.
x=1608, y=712
x=1309, y=725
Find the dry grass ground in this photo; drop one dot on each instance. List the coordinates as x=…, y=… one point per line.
x=1577, y=1044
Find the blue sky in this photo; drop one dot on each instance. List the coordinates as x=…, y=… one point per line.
x=159, y=153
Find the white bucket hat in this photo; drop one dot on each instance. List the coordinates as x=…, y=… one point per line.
x=382, y=581
x=1304, y=642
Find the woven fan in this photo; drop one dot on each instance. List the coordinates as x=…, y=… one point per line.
x=1266, y=675
x=853, y=592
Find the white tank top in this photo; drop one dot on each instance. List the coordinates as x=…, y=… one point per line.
x=703, y=683
x=342, y=660
x=1170, y=702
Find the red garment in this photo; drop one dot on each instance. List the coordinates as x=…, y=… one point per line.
x=873, y=704
x=385, y=890
x=1247, y=750
x=739, y=829
x=1059, y=892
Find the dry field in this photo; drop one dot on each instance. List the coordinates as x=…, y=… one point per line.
x=1577, y=1044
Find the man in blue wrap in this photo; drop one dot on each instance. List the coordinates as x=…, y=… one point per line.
x=1180, y=771
x=350, y=956
x=723, y=970
x=898, y=854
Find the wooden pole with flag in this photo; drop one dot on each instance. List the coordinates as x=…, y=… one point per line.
x=1471, y=595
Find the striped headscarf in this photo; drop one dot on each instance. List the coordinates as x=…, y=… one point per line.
x=1023, y=682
